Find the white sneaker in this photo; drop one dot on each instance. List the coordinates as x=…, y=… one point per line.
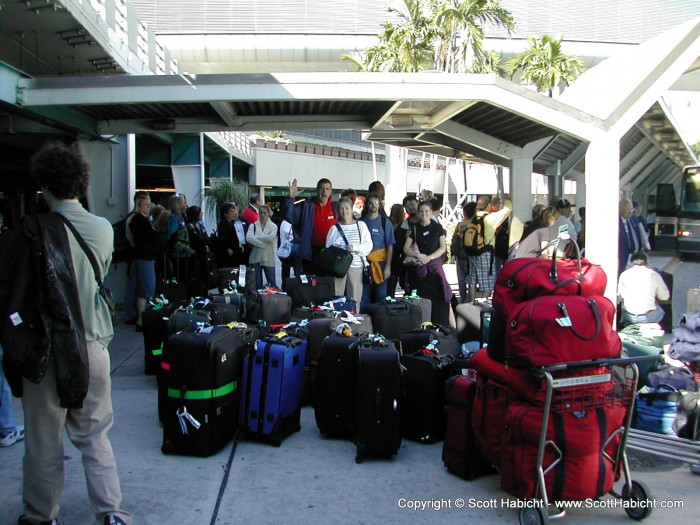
x=13, y=437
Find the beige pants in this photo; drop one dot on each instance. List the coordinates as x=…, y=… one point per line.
x=87, y=429
x=350, y=285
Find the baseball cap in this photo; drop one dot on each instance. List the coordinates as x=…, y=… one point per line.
x=562, y=203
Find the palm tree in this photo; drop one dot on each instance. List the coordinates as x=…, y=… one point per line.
x=544, y=65
x=222, y=191
x=460, y=44
x=403, y=47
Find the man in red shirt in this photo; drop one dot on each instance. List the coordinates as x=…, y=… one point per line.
x=312, y=218
x=250, y=214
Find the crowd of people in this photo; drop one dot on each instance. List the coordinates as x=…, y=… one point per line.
x=403, y=249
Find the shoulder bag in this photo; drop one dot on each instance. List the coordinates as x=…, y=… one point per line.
x=334, y=260
x=104, y=292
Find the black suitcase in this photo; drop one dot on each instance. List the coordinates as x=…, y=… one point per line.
x=309, y=290
x=470, y=321
x=426, y=305
x=667, y=306
x=394, y=318
x=321, y=328
x=272, y=308
x=424, y=376
x=378, y=401
x=249, y=334
x=202, y=390
x=229, y=279
x=301, y=313
x=211, y=270
x=336, y=378
x=417, y=339
x=172, y=291
x=155, y=332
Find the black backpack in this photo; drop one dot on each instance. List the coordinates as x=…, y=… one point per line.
x=502, y=238
x=123, y=250
x=474, y=241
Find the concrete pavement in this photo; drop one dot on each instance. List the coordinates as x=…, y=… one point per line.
x=309, y=479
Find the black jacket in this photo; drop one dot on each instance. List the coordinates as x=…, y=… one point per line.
x=41, y=315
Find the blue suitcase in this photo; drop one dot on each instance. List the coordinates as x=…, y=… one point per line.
x=273, y=377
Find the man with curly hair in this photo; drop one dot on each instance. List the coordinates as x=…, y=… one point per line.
x=68, y=385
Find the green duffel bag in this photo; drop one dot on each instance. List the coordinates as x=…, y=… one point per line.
x=637, y=346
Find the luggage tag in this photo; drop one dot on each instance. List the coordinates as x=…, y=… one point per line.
x=389, y=299
x=344, y=330
x=241, y=275
x=279, y=335
x=431, y=349
x=304, y=279
x=426, y=325
x=183, y=417
x=566, y=320
x=16, y=319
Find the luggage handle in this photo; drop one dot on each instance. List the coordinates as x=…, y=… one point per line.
x=553, y=274
x=673, y=394
x=396, y=308
x=596, y=315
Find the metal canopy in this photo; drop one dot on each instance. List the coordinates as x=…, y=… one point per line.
x=480, y=117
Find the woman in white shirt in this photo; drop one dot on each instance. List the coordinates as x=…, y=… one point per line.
x=359, y=243
x=262, y=236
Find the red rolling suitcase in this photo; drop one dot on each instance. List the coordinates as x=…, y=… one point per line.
x=378, y=401
x=556, y=329
x=583, y=471
x=459, y=452
x=491, y=402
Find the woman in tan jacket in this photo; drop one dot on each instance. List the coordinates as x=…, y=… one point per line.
x=262, y=236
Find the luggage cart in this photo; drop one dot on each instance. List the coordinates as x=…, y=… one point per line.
x=589, y=385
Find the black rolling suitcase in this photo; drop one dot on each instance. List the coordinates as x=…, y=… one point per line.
x=203, y=390
x=155, y=332
x=426, y=305
x=418, y=338
x=336, y=377
x=271, y=306
x=424, y=376
x=391, y=319
x=308, y=290
x=378, y=401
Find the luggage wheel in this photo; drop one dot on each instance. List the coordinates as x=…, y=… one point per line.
x=533, y=516
x=639, y=492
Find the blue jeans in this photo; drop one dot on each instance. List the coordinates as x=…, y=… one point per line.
x=269, y=275
x=7, y=415
x=374, y=293
x=654, y=316
x=462, y=266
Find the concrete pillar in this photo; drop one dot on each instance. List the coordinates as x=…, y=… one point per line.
x=395, y=186
x=188, y=166
x=521, y=194
x=602, y=215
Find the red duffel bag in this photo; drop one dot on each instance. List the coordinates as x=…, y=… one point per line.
x=587, y=439
x=559, y=329
x=524, y=279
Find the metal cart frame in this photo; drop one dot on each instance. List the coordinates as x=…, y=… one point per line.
x=581, y=391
